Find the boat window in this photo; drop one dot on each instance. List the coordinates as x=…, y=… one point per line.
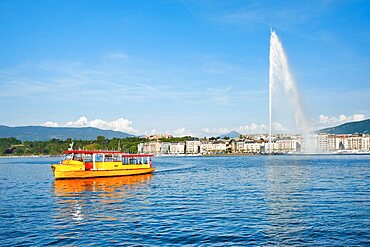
x=77, y=157
x=98, y=157
x=117, y=158
x=67, y=156
x=133, y=161
x=126, y=160
x=108, y=158
x=87, y=158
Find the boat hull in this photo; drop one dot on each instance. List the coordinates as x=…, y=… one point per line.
x=101, y=173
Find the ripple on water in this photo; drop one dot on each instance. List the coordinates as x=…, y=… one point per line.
x=280, y=200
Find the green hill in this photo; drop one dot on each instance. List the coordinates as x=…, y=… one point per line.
x=41, y=133
x=360, y=127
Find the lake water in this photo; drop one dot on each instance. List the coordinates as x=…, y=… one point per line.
x=260, y=200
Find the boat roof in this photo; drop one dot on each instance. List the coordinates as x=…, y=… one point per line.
x=106, y=152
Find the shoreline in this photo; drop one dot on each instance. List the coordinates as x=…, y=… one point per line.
x=204, y=155
x=29, y=156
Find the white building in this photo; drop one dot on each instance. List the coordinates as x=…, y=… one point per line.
x=165, y=147
x=354, y=142
x=252, y=147
x=365, y=146
x=270, y=147
x=206, y=147
x=322, y=142
x=219, y=147
x=177, y=148
x=210, y=148
x=248, y=147
x=327, y=142
x=286, y=145
x=282, y=146
x=140, y=148
x=239, y=147
x=152, y=147
x=192, y=147
x=341, y=142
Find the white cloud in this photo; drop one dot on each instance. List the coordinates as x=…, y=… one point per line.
x=253, y=128
x=153, y=132
x=121, y=124
x=323, y=119
x=276, y=126
x=50, y=124
x=116, y=56
x=81, y=122
x=182, y=132
x=216, y=130
x=156, y=132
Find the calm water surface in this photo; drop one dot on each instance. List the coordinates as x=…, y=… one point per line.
x=280, y=200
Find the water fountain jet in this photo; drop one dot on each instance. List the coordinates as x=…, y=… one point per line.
x=279, y=74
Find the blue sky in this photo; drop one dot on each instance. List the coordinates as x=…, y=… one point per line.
x=184, y=67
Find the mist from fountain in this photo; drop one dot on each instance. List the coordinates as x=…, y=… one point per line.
x=279, y=74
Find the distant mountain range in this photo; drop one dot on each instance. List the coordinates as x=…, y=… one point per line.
x=360, y=127
x=231, y=134
x=41, y=133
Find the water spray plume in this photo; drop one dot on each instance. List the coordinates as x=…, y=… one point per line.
x=279, y=74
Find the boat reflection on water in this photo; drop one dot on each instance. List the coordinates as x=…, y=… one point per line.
x=108, y=185
x=95, y=198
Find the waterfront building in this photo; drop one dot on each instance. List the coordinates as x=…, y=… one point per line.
x=140, y=148
x=231, y=146
x=213, y=147
x=239, y=147
x=365, y=143
x=252, y=147
x=149, y=147
x=326, y=142
x=280, y=144
x=177, y=148
x=354, y=143
x=285, y=146
x=331, y=143
x=269, y=147
x=248, y=147
x=341, y=142
x=154, y=147
x=206, y=147
x=193, y=147
x=165, y=148
x=322, y=142
x=219, y=147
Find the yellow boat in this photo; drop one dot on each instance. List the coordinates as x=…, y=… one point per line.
x=94, y=163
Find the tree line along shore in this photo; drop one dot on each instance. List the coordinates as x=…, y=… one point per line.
x=14, y=147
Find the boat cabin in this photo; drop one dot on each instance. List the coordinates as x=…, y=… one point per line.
x=105, y=160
